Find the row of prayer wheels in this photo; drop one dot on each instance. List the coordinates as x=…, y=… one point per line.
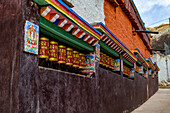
x=54, y=55
x=126, y=70
x=106, y=61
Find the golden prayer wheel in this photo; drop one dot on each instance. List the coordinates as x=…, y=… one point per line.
x=62, y=54
x=113, y=62
x=110, y=62
x=137, y=68
x=104, y=60
x=75, y=59
x=53, y=56
x=69, y=56
x=82, y=61
x=44, y=47
x=107, y=61
x=101, y=58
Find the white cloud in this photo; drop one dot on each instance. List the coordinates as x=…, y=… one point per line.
x=163, y=2
x=152, y=11
x=145, y=5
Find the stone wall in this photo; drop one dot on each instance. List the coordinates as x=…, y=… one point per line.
x=91, y=10
x=28, y=70
x=10, y=37
x=18, y=85
x=163, y=63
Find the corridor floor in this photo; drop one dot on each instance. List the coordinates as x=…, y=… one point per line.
x=158, y=103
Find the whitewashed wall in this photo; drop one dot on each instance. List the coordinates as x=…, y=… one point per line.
x=164, y=64
x=90, y=10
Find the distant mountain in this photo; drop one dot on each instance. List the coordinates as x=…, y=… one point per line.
x=157, y=40
x=160, y=27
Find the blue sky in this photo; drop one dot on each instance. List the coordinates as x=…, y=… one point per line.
x=153, y=11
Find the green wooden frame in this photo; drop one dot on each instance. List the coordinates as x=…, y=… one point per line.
x=41, y=2
x=138, y=63
x=144, y=68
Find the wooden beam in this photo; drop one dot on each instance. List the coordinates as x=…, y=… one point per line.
x=68, y=3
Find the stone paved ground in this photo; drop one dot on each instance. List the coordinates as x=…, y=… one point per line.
x=158, y=103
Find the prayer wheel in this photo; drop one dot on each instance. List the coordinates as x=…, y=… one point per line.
x=101, y=58
x=110, y=62
x=113, y=61
x=75, y=59
x=82, y=61
x=104, y=59
x=69, y=56
x=44, y=48
x=53, y=53
x=137, y=69
x=43, y=51
x=107, y=61
x=62, y=54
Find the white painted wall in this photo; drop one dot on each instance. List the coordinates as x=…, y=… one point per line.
x=90, y=10
x=164, y=64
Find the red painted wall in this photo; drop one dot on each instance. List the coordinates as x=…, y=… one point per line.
x=119, y=24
